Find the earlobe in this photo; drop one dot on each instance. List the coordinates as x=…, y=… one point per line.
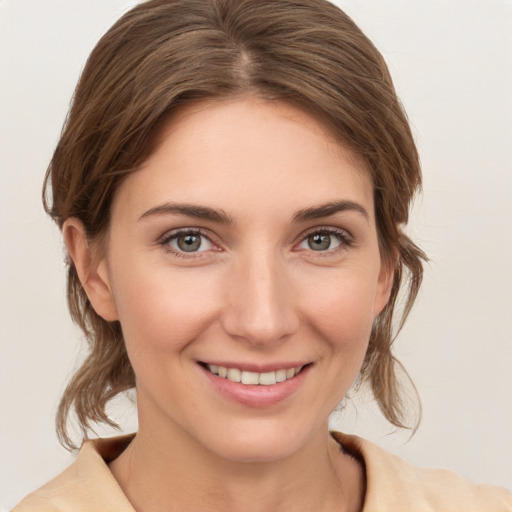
x=91, y=269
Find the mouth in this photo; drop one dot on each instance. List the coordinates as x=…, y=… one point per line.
x=243, y=383
x=254, y=378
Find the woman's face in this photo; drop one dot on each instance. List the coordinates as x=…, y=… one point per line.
x=245, y=248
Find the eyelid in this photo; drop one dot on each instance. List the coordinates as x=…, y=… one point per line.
x=325, y=229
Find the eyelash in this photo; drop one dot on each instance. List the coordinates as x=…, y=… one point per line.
x=346, y=240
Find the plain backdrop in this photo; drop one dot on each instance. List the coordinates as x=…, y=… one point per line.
x=452, y=65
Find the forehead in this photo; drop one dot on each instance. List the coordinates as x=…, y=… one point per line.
x=233, y=119
x=260, y=151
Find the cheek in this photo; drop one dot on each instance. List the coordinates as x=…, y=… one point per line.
x=163, y=311
x=342, y=310
x=340, y=318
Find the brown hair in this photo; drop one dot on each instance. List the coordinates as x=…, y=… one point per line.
x=165, y=53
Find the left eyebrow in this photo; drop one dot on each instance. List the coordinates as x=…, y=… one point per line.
x=327, y=209
x=189, y=210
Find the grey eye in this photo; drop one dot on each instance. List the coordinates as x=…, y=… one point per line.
x=319, y=241
x=322, y=241
x=190, y=242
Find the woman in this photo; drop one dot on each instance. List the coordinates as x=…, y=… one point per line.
x=231, y=184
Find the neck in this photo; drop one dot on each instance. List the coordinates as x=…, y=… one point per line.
x=174, y=472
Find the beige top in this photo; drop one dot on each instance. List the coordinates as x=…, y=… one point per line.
x=393, y=485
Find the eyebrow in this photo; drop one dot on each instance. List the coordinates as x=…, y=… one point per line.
x=327, y=209
x=221, y=217
x=190, y=210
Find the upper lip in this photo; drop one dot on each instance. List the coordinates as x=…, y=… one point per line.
x=256, y=367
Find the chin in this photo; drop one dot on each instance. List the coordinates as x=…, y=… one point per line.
x=257, y=441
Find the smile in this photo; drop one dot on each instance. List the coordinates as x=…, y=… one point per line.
x=254, y=378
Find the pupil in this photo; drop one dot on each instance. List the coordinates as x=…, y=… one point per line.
x=189, y=243
x=319, y=242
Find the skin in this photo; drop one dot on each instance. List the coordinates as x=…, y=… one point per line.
x=255, y=292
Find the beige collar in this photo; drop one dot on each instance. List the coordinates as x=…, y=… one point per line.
x=393, y=485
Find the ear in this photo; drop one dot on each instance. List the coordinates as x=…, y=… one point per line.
x=91, y=269
x=384, y=285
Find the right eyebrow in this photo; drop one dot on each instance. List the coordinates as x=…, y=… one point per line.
x=190, y=210
x=327, y=209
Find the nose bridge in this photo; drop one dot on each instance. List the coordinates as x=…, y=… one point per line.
x=260, y=304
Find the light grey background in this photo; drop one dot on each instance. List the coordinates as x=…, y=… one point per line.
x=452, y=65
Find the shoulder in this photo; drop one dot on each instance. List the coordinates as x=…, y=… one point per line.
x=85, y=485
x=394, y=485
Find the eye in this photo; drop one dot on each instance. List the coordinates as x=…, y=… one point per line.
x=321, y=242
x=325, y=240
x=187, y=242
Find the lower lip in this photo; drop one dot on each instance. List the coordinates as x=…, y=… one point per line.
x=256, y=395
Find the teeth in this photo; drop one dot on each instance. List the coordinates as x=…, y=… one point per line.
x=234, y=374
x=280, y=375
x=268, y=378
x=250, y=378
x=254, y=378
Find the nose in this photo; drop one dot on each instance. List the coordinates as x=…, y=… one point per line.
x=260, y=305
